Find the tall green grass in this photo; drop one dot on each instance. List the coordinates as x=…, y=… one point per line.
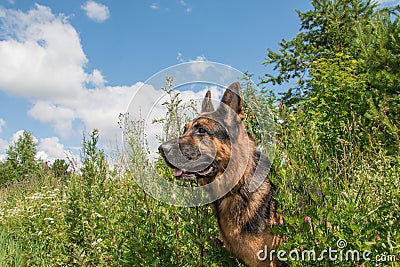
x=97, y=218
x=11, y=253
x=102, y=217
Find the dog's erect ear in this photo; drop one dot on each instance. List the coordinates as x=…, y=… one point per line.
x=207, y=105
x=233, y=100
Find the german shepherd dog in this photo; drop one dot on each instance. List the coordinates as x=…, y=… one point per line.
x=216, y=149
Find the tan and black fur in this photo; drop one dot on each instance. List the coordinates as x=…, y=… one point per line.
x=216, y=149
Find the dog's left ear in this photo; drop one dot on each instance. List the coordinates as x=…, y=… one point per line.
x=233, y=100
x=207, y=105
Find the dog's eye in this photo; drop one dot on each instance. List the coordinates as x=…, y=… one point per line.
x=201, y=130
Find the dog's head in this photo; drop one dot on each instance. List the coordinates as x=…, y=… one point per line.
x=205, y=148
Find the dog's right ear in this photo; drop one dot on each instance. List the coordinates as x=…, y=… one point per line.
x=232, y=100
x=207, y=105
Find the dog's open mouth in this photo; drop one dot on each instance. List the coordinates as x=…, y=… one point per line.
x=183, y=175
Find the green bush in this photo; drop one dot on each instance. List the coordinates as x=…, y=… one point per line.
x=20, y=162
x=60, y=169
x=331, y=192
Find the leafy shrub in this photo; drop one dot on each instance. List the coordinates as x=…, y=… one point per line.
x=60, y=169
x=331, y=192
x=20, y=162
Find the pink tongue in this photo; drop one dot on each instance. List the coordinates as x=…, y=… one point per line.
x=177, y=172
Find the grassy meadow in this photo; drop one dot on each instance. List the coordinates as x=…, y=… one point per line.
x=94, y=216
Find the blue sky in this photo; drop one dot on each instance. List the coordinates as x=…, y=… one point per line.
x=71, y=66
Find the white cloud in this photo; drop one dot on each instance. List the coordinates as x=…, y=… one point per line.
x=42, y=60
x=183, y=3
x=386, y=3
x=179, y=57
x=61, y=117
x=51, y=149
x=3, y=148
x=200, y=68
x=200, y=58
x=96, y=11
x=3, y=145
x=96, y=108
x=41, y=55
x=200, y=65
x=154, y=6
x=2, y=123
x=96, y=78
x=100, y=108
x=196, y=68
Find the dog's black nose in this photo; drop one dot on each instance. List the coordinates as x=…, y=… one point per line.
x=165, y=148
x=160, y=149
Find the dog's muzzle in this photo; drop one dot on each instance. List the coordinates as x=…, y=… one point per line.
x=187, y=167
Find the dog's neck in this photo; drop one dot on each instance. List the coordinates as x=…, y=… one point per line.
x=255, y=175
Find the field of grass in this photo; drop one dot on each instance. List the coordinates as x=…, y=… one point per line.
x=96, y=216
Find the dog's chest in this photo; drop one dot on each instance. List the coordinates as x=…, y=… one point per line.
x=230, y=220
